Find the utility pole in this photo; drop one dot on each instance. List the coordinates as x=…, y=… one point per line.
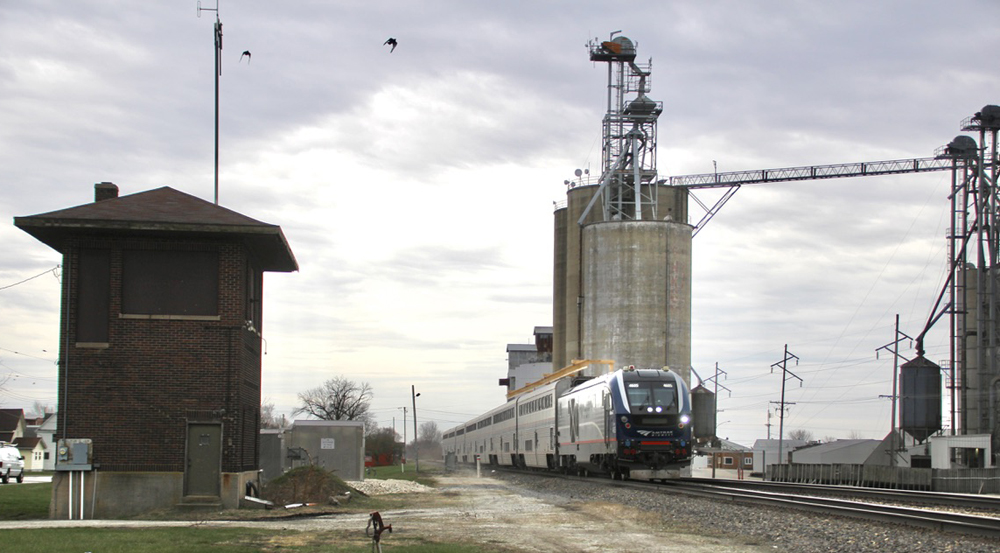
x=402, y=461
x=893, y=447
x=416, y=450
x=715, y=378
x=784, y=378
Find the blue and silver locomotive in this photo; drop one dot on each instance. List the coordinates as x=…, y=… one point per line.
x=630, y=423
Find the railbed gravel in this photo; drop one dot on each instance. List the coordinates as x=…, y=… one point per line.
x=785, y=530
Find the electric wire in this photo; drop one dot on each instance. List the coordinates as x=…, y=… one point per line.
x=43, y=273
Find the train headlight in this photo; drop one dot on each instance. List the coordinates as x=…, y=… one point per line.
x=659, y=409
x=685, y=419
x=649, y=409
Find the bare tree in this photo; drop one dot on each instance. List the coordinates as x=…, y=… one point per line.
x=429, y=434
x=40, y=409
x=800, y=434
x=338, y=399
x=267, y=417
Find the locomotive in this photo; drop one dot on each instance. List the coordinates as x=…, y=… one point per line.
x=629, y=423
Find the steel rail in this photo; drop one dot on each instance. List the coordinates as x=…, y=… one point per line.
x=958, y=523
x=918, y=497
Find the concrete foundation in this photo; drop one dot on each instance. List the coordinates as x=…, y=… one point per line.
x=108, y=495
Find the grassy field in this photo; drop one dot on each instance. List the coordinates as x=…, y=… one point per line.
x=197, y=539
x=31, y=502
x=425, y=476
x=25, y=501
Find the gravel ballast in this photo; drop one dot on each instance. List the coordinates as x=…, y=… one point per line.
x=785, y=530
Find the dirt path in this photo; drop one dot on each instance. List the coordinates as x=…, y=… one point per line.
x=493, y=513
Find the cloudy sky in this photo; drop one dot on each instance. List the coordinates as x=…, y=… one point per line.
x=416, y=187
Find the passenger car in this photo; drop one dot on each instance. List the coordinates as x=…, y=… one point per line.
x=11, y=463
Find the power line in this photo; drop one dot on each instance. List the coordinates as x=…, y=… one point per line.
x=52, y=270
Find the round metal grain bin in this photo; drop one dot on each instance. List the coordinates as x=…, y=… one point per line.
x=920, y=408
x=637, y=293
x=703, y=413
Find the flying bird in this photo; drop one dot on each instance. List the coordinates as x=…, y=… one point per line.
x=247, y=54
x=391, y=42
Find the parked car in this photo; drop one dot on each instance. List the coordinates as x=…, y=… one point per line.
x=11, y=463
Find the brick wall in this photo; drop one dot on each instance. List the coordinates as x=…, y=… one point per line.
x=134, y=395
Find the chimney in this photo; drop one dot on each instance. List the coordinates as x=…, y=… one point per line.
x=105, y=191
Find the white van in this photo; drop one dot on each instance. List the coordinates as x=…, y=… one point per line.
x=11, y=463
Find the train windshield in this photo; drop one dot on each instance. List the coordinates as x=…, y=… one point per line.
x=652, y=397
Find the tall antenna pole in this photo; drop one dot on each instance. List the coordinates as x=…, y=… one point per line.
x=218, y=73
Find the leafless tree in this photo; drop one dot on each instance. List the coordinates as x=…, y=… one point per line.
x=338, y=399
x=267, y=417
x=800, y=434
x=429, y=433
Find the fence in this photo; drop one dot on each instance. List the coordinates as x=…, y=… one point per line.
x=976, y=481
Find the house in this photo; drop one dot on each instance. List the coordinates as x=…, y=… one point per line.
x=160, y=361
x=731, y=455
x=12, y=424
x=33, y=451
x=47, y=432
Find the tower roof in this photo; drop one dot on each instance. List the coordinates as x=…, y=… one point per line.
x=161, y=212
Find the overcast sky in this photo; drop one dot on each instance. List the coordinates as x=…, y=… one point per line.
x=416, y=187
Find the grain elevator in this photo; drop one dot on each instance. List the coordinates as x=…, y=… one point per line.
x=622, y=253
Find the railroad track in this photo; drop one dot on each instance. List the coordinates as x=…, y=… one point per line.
x=959, y=523
x=985, y=503
x=795, y=497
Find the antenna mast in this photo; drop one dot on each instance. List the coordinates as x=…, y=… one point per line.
x=218, y=73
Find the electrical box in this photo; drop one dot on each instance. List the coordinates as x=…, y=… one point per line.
x=74, y=454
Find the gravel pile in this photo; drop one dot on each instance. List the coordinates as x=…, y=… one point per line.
x=787, y=530
x=382, y=487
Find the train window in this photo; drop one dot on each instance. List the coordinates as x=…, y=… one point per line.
x=653, y=398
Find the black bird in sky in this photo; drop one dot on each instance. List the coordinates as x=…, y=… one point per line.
x=391, y=42
x=247, y=54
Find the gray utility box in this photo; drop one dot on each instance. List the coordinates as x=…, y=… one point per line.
x=74, y=454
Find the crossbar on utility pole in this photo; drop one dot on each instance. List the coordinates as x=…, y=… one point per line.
x=784, y=378
x=900, y=336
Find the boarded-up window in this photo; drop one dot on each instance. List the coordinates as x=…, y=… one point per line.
x=93, y=295
x=170, y=282
x=254, y=289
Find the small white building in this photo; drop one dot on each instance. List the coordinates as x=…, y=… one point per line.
x=527, y=363
x=978, y=451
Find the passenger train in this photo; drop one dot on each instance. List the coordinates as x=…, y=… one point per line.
x=630, y=423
